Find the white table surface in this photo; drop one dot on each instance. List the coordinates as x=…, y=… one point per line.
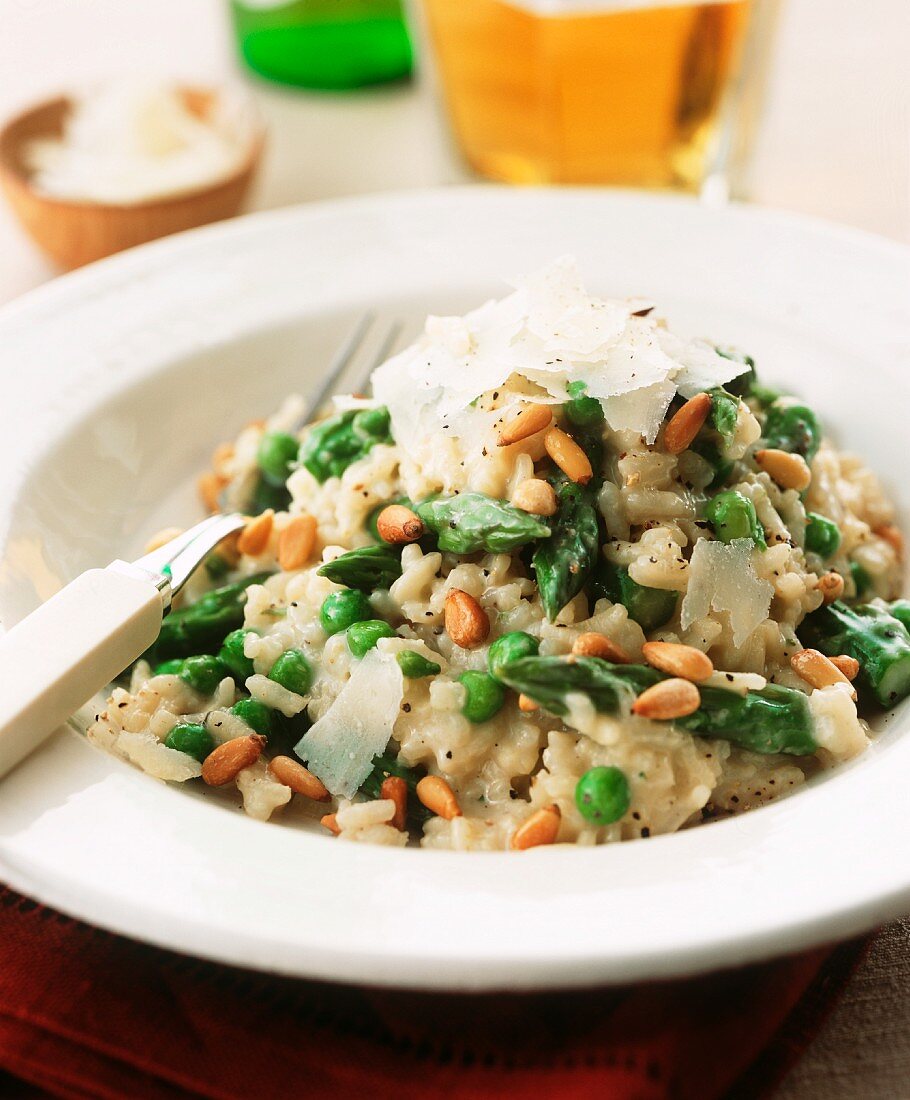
x=835, y=142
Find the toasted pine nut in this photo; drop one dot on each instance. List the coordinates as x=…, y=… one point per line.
x=817, y=670
x=892, y=535
x=161, y=537
x=667, y=700
x=849, y=666
x=228, y=760
x=397, y=524
x=540, y=828
x=300, y=779
x=222, y=455
x=686, y=423
x=296, y=542
x=788, y=470
x=526, y=704
x=254, y=538
x=568, y=456
x=531, y=420
x=535, y=496
x=330, y=822
x=438, y=796
x=394, y=788
x=209, y=486
x=592, y=644
x=465, y=620
x=679, y=660
x=831, y=586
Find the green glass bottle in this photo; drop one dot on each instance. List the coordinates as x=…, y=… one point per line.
x=327, y=44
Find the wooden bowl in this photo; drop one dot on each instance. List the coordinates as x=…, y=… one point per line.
x=74, y=233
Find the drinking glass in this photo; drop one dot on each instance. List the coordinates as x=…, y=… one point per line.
x=626, y=92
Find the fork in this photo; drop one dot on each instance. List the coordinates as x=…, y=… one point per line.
x=83, y=637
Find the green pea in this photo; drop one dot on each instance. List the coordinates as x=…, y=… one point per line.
x=191, y=738
x=484, y=696
x=584, y=412
x=203, y=673
x=293, y=671
x=232, y=656
x=793, y=428
x=861, y=579
x=602, y=795
x=363, y=636
x=372, y=422
x=822, y=535
x=276, y=455
x=340, y=609
x=510, y=647
x=415, y=666
x=256, y=715
x=732, y=515
x=169, y=668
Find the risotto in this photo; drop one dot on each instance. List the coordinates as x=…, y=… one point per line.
x=565, y=577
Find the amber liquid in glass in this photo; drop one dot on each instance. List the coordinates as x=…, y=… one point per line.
x=629, y=96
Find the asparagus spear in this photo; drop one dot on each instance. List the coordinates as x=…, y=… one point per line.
x=366, y=569
x=331, y=446
x=774, y=719
x=649, y=607
x=474, y=521
x=878, y=640
x=563, y=563
x=201, y=627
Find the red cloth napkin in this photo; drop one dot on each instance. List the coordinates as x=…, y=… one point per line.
x=84, y=1013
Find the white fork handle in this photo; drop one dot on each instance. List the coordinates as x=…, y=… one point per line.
x=71, y=647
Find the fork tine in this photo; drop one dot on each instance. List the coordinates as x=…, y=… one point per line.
x=381, y=354
x=337, y=367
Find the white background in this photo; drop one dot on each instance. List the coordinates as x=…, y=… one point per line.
x=835, y=143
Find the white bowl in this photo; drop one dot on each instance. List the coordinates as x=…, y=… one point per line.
x=121, y=378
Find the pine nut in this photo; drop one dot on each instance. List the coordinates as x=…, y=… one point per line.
x=593, y=644
x=526, y=704
x=301, y=781
x=893, y=536
x=254, y=538
x=222, y=455
x=330, y=822
x=394, y=788
x=849, y=666
x=535, y=496
x=789, y=471
x=531, y=420
x=438, y=797
x=466, y=621
x=667, y=700
x=684, y=661
x=831, y=586
x=397, y=524
x=296, y=542
x=817, y=670
x=209, y=486
x=686, y=423
x=228, y=760
x=540, y=828
x=161, y=537
x=568, y=456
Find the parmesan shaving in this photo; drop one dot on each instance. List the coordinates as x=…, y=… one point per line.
x=722, y=577
x=537, y=341
x=340, y=747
